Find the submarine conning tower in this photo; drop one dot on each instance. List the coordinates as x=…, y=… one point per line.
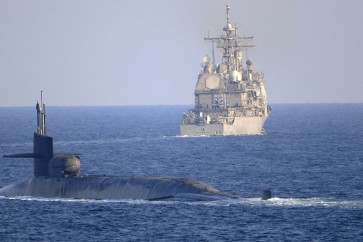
x=46, y=162
x=42, y=144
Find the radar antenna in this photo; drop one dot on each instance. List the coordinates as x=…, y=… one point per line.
x=229, y=43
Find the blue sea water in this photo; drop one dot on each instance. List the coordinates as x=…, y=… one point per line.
x=311, y=157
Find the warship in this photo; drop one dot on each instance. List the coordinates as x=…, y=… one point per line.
x=57, y=175
x=230, y=97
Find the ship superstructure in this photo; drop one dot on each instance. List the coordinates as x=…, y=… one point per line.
x=230, y=97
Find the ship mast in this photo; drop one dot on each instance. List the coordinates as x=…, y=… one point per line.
x=229, y=43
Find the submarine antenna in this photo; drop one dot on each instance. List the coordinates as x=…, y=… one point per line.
x=41, y=128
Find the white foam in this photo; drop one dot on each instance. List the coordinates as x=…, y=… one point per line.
x=74, y=200
x=286, y=202
x=303, y=202
x=275, y=202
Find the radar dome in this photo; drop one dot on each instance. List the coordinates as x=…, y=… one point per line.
x=206, y=59
x=229, y=27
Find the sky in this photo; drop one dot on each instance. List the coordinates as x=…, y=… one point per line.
x=140, y=52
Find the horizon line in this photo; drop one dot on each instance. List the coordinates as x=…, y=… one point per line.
x=170, y=105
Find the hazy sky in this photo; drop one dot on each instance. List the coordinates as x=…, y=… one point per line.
x=140, y=52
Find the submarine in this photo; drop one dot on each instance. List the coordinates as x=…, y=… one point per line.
x=58, y=175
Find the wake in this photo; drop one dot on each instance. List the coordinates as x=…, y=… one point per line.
x=273, y=202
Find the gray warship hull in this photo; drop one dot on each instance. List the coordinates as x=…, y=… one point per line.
x=116, y=188
x=237, y=126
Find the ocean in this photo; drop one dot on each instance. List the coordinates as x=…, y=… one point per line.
x=310, y=156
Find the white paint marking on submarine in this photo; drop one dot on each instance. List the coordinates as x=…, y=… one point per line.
x=58, y=175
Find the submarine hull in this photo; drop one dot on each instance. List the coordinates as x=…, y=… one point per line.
x=106, y=187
